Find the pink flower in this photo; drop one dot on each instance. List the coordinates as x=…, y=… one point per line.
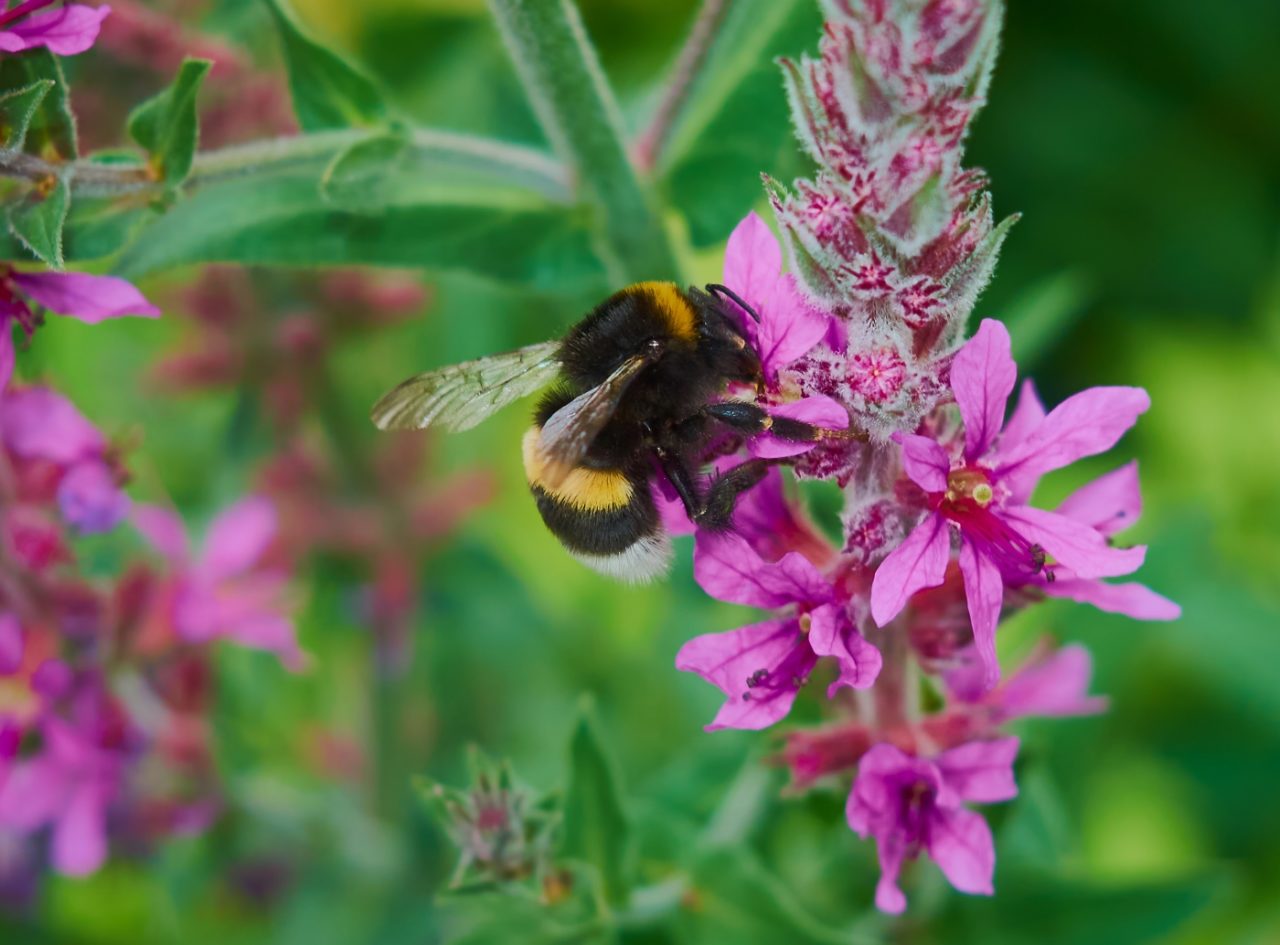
x=86, y=298
x=67, y=786
x=37, y=423
x=789, y=326
x=1051, y=682
x=761, y=667
x=225, y=592
x=66, y=31
x=981, y=489
x=915, y=804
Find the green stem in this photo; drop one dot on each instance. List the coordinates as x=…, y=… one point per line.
x=532, y=168
x=576, y=108
x=649, y=146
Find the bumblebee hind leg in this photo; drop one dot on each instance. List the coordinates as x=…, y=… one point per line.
x=714, y=511
x=750, y=420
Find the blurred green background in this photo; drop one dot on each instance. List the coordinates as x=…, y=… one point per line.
x=1141, y=142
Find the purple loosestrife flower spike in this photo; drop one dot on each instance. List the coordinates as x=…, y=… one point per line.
x=980, y=488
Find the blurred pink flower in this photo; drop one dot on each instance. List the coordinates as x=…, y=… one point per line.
x=226, y=591
x=1051, y=682
x=912, y=804
x=761, y=667
x=67, y=786
x=983, y=492
x=66, y=31
x=37, y=423
x=86, y=298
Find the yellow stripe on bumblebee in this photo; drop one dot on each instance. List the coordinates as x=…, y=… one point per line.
x=589, y=490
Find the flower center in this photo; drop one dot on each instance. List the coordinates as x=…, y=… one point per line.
x=968, y=488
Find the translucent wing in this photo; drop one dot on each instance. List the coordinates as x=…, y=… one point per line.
x=460, y=396
x=569, y=432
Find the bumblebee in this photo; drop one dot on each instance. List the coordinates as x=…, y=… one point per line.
x=635, y=387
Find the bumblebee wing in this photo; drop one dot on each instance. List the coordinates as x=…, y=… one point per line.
x=570, y=431
x=460, y=396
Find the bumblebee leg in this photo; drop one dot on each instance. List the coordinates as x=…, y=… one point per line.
x=680, y=477
x=751, y=419
x=722, y=496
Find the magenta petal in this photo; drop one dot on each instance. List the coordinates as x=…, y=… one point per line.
x=832, y=634
x=33, y=793
x=959, y=841
x=1024, y=419
x=919, y=562
x=163, y=530
x=6, y=353
x=1133, y=600
x=90, y=498
x=42, y=424
x=87, y=298
x=788, y=328
x=924, y=461
x=753, y=262
x=80, y=837
x=981, y=771
x=1087, y=423
x=1079, y=548
x=1055, y=686
x=819, y=411
x=889, y=897
x=728, y=660
x=982, y=377
x=729, y=569
x=1110, y=503
x=66, y=31
x=984, y=593
x=238, y=537
x=11, y=644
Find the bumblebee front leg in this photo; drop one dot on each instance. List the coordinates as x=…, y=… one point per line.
x=713, y=512
x=751, y=419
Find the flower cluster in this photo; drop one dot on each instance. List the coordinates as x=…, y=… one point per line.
x=889, y=246
x=105, y=680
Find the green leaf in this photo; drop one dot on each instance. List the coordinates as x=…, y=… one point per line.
x=328, y=92
x=364, y=175
x=51, y=128
x=167, y=125
x=736, y=124
x=37, y=221
x=434, y=223
x=1040, y=315
x=596, y=830
x=1053, y=910
x=734, y=900
x=17, y=108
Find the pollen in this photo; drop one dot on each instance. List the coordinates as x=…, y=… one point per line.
x=983, y=494
x=969, y=487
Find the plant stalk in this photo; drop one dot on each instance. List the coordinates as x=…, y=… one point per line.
x=577, y=110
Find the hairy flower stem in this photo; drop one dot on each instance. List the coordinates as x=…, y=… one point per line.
x=531, y=168
x=649, y=145
x=577, y=110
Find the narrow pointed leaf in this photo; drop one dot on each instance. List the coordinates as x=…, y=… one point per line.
x=595, y=823
x=17, y=108
x=37, y=221
x=436, y=222
x=167, y=125
x=51, y=128
x=328, y=92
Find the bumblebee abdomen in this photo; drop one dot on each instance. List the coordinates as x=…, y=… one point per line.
x=605, y=518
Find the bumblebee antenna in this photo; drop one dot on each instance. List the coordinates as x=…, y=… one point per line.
x=724, y=290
